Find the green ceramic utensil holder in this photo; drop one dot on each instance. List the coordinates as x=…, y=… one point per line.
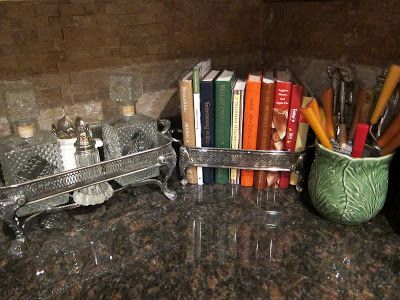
x=348, y=190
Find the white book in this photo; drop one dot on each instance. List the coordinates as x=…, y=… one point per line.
x=199, y=71
x=237, y=124
x=241, y=120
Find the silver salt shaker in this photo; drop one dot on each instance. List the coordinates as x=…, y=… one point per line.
x=86, y=154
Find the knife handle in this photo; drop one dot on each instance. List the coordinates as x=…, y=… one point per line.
x=342, y=136
x=327, y=104
x=312, y=119
x=366, y=106
x=392, y=145
x=356, y=115
x=360, y=138
x=387, y=90
x=393, y=129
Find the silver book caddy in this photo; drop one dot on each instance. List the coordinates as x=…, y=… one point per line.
x=265, y=160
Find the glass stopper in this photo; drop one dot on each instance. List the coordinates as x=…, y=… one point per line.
x=126, y=89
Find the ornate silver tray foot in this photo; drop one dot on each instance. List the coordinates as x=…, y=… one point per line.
x=170, y=194
x=8, y=209
x=184, y=182
x=17, y=248
x=264, y=160
x=167, y=163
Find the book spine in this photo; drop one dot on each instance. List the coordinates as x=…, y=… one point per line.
x=222, y=124
x=301, y=139
x=291, y=131
x=279, y=123
x=264, y=128
x=207, y=110
x=187, y=114
x=197, y=117
x=235, y=131
x=241, y=121
x=250, y=126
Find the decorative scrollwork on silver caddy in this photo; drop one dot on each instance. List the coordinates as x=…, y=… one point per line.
x=265, y=160
x=36, y=191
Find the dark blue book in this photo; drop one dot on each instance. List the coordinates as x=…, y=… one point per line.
x=207, y=113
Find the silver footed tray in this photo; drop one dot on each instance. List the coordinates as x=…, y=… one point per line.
x=39, y=190
x=265, y=160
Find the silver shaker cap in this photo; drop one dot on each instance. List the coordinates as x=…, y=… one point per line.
x=85, y=141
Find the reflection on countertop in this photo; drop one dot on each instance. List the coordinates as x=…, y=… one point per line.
x=213, y=241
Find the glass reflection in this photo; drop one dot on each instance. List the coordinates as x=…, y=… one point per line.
x=246, y=232
x=220, y=225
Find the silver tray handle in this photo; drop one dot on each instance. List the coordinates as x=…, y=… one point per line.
x=166, y=126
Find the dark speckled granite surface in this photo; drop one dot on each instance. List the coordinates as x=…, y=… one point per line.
x=213, y=241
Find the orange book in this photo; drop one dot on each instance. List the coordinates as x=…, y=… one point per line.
x=250, y=125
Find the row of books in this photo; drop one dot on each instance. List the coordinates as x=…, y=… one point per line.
x=262, y=112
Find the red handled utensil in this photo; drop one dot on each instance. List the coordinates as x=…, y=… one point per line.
x=362, y=127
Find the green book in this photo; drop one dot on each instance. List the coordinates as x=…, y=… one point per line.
x=223, y=100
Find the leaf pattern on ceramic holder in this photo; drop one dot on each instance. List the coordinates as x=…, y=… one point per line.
x=325, y=181
x=366, y=187
x=347, y=190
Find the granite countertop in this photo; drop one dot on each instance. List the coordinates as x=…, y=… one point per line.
x=213, y=241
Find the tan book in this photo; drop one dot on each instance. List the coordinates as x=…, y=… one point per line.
x=301, y=140
x=187, y=113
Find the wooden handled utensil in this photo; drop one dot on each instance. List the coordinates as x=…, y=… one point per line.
x=390, y=133
x=392, y=145
x=315, y=124
x=315, y=108
x=342, y=122
x=388, y=87
x=356, y=115
x=327, y=104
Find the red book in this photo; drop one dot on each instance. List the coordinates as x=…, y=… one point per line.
x=291, y=130
x=283, y=90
